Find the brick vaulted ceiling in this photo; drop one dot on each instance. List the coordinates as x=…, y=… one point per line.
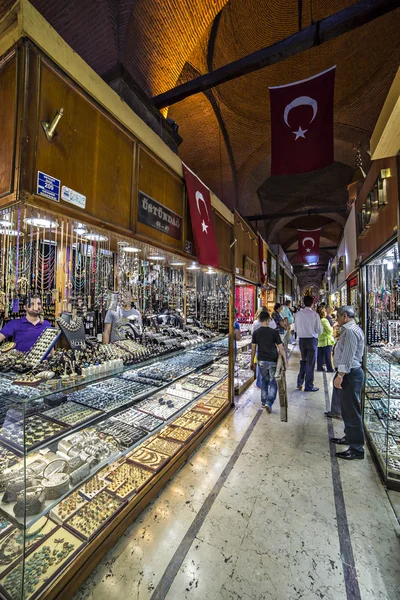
x=226, y=131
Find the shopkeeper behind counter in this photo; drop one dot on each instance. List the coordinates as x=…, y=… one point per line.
x=25, y=332
x=118, y=316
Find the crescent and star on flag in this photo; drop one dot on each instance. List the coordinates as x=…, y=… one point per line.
x=200, y=198
x=300, y=101
x=308, y=249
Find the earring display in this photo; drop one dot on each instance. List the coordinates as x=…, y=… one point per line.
x=71, y=413
x=197, y=416
x=87, y=521
x=216, y=402
x=145, y=457
x=93, y=487
x=186, y=423
x=7, y=459
x=176, y=434
x=68, y=507
x=127, y=479
x=42, y=564
x=164, y=446
x=35, y=431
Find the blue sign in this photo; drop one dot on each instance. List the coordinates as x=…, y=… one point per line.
x=48, y=186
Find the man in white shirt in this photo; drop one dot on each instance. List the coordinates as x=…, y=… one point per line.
x=308, y=326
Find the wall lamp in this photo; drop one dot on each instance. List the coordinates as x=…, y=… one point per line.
x=50, y=128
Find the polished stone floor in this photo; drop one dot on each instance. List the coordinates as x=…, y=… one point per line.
x=278, y=525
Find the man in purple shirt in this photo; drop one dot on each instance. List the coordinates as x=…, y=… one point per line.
x=25, y=332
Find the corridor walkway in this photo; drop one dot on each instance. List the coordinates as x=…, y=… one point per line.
x=262, y=511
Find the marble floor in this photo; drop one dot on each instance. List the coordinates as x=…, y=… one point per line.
x=257, y=515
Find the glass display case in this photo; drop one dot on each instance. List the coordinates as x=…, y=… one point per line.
x=75, y=462
x=382, y=412
x=382, y=387
x=244, y=376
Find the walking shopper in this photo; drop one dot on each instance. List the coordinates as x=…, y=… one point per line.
x=267, y=343
x=329, y=313
x=256, y=325
x=286, y=313
x=325, y=344
x=308, y=327
x=281, y=322
x=349, y=381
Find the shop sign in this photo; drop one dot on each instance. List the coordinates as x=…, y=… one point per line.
x=375, y=201
x=353, y=282
x=73, y=197
x=48, y=186
x=157, y=216
x=250, y=269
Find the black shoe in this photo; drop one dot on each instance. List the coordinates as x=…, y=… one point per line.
x=350, y=454
x=299, y=387
x=340, y=441
x=331, y=415
x=313, y=389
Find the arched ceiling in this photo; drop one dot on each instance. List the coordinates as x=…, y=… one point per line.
x=226, y=131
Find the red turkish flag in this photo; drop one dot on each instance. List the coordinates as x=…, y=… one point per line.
x=202, y=219
x=308, y=249
x=302, y=124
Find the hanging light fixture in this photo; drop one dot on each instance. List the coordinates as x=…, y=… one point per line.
x=38, y=222
x=131, y=249
x=95, y=237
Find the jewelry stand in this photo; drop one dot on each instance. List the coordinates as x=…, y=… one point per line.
x=73, y=330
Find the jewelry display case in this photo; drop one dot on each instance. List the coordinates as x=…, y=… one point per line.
x=244, y=376
x=75, y=464
x=382, y=412
x=382, y=385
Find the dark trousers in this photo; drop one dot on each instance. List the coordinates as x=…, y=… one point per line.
x=325, y=357
x=350, y=402
x=308, y=348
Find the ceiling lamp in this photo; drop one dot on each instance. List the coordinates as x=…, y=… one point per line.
x=130, y=249
x=156, y=257
x=177, y=264
x=80, y=229
x=193, y=267
x=5, y=222
x=95, y=237
x=11, y=232
x=38, y=222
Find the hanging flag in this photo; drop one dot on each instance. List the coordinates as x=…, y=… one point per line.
x=263, y=254
x=202, y=219
x=302, y=124
x=308, y=248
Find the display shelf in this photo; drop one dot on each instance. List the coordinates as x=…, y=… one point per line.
x=7, y=509
x=93, y=534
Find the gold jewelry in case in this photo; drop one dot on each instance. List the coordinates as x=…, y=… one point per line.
x=187, y=423
x=176, y=433
x=148, y=458
x=88, y=519
x=216, y=402
x=196, y=416
x=164, y=446
x=127, y=479
x=67, y=507
x=93, y=487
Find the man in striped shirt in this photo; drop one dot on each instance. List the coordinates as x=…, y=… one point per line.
x=349, y=380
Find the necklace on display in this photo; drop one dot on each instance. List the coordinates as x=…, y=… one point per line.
x=72, y=325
